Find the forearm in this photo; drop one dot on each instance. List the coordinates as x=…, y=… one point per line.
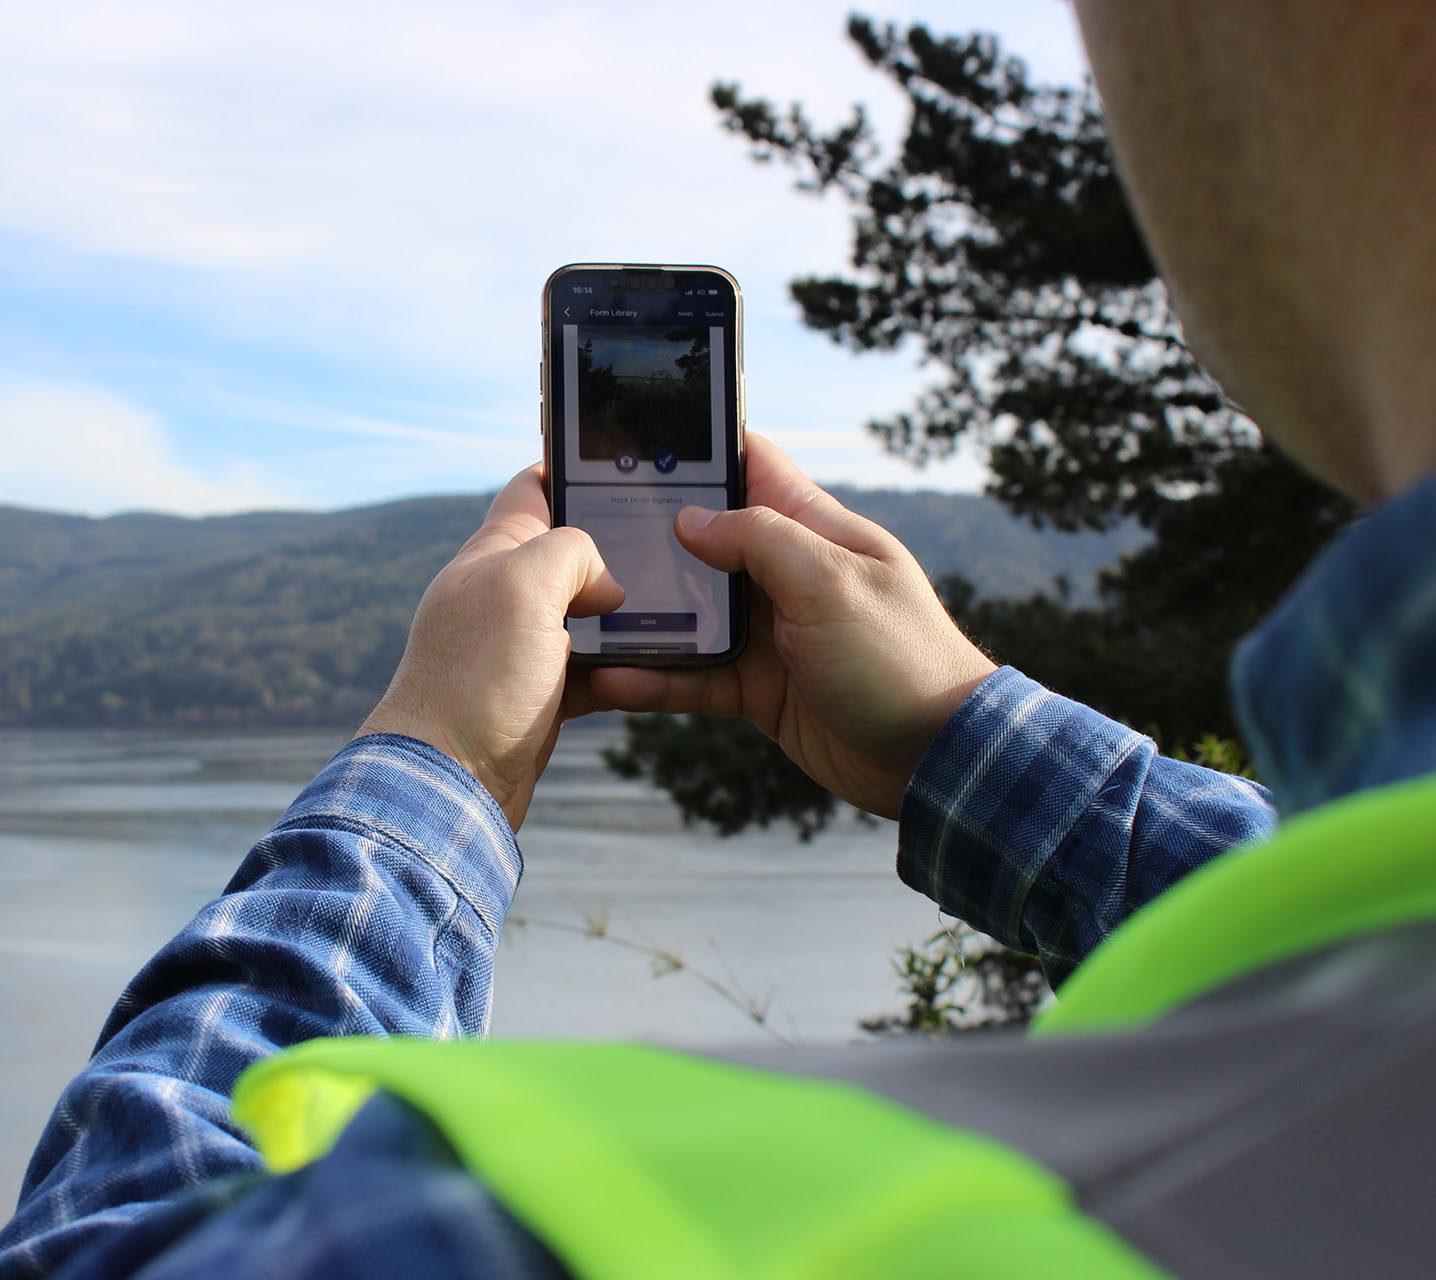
x=1045, y=824
x=373, y=907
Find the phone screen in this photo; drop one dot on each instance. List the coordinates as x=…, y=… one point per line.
x=642, y=417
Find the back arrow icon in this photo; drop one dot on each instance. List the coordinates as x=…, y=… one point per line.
x=565, y=312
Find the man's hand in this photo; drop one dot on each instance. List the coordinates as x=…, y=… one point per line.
x=852, y=664
x=482, y=676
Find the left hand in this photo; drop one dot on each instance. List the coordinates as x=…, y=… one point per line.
x=482, y=676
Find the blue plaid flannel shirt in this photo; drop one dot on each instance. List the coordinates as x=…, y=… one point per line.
x=374, y=907
x=1045, y=824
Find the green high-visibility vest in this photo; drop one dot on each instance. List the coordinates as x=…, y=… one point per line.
x=1356, y=866
x=630, y=1161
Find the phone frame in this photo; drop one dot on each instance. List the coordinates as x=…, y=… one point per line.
x=738, y=595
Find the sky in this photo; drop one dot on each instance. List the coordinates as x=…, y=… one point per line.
x=288, y=255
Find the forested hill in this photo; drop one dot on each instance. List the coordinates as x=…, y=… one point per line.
x=289, y=617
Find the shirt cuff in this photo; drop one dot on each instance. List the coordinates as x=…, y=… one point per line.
x=997, y=792
x=415, y=797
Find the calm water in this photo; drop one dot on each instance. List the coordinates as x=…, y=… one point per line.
x=109, y=842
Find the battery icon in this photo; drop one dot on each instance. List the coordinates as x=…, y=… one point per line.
x=713, y=292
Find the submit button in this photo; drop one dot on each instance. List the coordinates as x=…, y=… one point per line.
x=648, y=622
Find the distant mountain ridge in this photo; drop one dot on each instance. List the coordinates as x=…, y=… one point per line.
x=299, y=617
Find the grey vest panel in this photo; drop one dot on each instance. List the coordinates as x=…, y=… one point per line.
x=1284, y=1125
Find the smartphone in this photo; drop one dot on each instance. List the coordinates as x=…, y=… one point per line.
x=642, y=381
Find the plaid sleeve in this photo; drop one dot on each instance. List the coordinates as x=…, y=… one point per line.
x=1045, y=824
x=372, y=907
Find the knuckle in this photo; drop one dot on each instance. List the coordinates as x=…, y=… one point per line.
x=573, y=540
x=749, y=520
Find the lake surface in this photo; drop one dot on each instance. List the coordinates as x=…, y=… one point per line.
x=110, y=841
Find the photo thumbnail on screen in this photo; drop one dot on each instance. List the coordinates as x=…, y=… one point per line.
x=645, y=390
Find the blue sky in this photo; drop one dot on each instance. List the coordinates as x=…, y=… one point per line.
x=279, y=255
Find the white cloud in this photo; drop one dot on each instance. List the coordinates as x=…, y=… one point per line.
x=387, y=184
x=417, y=168
x=84, y=449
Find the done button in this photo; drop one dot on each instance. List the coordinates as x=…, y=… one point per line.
x=648, y=622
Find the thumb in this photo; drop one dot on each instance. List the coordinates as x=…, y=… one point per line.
x=566, y=562
x=786, y=559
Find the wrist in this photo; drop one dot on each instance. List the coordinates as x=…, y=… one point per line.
x=963, y=679
x=406, y=722
x=937, y=712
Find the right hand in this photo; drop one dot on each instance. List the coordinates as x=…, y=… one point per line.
x=852, y=664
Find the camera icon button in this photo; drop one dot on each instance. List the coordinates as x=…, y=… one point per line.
x=626, y=461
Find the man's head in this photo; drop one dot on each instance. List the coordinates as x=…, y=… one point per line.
x=1282, y=157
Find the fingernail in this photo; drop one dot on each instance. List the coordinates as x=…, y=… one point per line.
x=694, y=519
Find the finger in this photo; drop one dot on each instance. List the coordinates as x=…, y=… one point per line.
x=788, y=560
x=601, y=595
x=774, y=481
x=749, y=687
x=518, y=512
x=578, y=698
x=717, y=692
x=564, y=566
